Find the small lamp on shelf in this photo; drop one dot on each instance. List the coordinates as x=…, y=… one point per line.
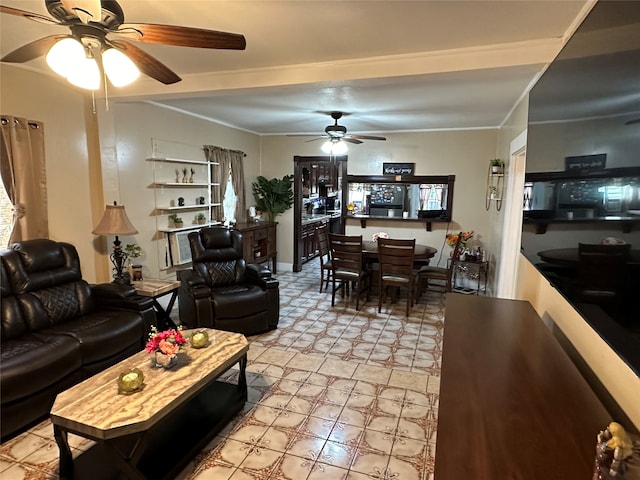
x=115, y=222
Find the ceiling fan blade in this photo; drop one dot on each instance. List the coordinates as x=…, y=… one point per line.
x=86, y=10
x=631, y=122
x=367, y=137
x=146, y=63
x=184, y=36
x=30, y=15
x=32, y=50
x=351, y=140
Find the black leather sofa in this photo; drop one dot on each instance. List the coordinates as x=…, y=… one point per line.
x=222, y=291
x=57, y=329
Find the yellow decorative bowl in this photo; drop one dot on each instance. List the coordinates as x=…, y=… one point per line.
x=199, y=339
x=130, y=381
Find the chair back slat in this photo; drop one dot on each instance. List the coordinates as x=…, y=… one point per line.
x=346, y=252
x=395, y=260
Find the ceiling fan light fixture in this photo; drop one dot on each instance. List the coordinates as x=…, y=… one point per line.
x=334, y=147
x=85, y=74
x=119, y=68
x=64, y=55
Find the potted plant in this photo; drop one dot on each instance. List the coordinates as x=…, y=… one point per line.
x=134, y=251
x=493, y=191
x=273, y=196
x=496, y=165
x=201, y=218
x=177, y=221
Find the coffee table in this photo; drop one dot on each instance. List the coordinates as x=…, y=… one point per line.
x=155, y=432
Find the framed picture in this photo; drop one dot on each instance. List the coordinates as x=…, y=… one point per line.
x=398, y=168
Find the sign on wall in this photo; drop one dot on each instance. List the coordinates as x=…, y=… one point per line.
x=398, y=168
x=585, y=162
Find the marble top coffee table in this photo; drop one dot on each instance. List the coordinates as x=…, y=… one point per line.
x=155, y=432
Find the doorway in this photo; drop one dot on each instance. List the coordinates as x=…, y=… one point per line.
x=320, y=191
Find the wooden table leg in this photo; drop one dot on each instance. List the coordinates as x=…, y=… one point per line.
x=66, y=459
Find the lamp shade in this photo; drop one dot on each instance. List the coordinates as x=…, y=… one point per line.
x=115, y=222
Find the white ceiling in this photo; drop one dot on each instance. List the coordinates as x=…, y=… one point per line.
x=393, y=65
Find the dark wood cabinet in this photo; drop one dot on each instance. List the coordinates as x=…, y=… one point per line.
x=259, y=242
x=309, y=246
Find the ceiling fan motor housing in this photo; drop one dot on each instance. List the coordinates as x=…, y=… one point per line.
x=336, y=131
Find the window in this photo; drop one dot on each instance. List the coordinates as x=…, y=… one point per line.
x=6, y=216
x=229, y=201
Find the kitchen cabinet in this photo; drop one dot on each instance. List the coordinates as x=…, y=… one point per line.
x=259, y=242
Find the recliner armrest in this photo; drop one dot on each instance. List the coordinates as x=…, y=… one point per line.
x=194, y=283
x=258, y=271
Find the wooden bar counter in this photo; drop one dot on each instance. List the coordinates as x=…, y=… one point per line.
x=512, y=404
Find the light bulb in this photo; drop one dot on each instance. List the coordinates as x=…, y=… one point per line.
x=119, y=68
x=85, y=74
x=64, y=55
x=334, y=147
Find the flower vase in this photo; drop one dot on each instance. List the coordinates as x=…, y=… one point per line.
x=165, y=361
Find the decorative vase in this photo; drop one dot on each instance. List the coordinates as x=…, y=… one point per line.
x=165, y=361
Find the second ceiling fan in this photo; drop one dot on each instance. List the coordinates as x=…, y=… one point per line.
x=335, y=133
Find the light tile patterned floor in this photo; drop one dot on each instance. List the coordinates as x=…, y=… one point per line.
x=333, y=394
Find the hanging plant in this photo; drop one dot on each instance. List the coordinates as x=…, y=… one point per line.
x=273, y=196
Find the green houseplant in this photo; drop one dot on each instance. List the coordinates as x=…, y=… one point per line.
x=177, y=221
x=273, y=196
x=496, y=165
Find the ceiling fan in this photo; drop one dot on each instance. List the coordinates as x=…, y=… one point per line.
x=335, y=133
x=91, y=21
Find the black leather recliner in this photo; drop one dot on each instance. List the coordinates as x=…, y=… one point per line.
x=222, y=291
x=57, y=329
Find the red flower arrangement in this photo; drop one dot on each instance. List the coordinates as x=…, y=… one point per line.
x=167, y=341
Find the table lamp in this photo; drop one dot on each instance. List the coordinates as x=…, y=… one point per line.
x=115, y=222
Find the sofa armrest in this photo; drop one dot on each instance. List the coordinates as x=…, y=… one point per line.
x=114, y=295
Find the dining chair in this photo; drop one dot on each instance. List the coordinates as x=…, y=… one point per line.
x=395, y=260
x=601, y=273
x=348, y=266
x=439, y=277
x=324, y=253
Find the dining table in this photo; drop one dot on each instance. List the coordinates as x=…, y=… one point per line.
x=421, y=252
x=569, y=256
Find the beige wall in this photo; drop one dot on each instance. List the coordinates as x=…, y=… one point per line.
x=464, y=154
x=61, y=108
x=129, y=132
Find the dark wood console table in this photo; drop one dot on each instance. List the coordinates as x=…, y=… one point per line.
x=260, y=242
x=512, y=404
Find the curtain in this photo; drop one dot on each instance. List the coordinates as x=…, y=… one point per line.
x=23, y=172
x=230, y=164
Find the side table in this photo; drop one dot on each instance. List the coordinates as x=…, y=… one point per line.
x=477, y=271
x=156, y=288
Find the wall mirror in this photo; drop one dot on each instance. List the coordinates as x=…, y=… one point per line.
x=420, y=197
x=587, y=103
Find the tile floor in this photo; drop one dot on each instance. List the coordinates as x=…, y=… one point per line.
x=333, y=394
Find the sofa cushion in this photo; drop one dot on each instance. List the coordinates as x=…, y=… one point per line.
x=35, y=362
x=238, y=301
x=102, y=334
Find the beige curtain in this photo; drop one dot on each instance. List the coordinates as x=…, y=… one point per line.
x=230, y=164
x=23, y=171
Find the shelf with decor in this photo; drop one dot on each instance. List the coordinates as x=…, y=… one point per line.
x=181, y=186
x=495, y=184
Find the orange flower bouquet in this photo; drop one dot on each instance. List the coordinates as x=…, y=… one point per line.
x=452, y=238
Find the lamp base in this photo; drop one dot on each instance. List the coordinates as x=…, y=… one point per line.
x=124, y=279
